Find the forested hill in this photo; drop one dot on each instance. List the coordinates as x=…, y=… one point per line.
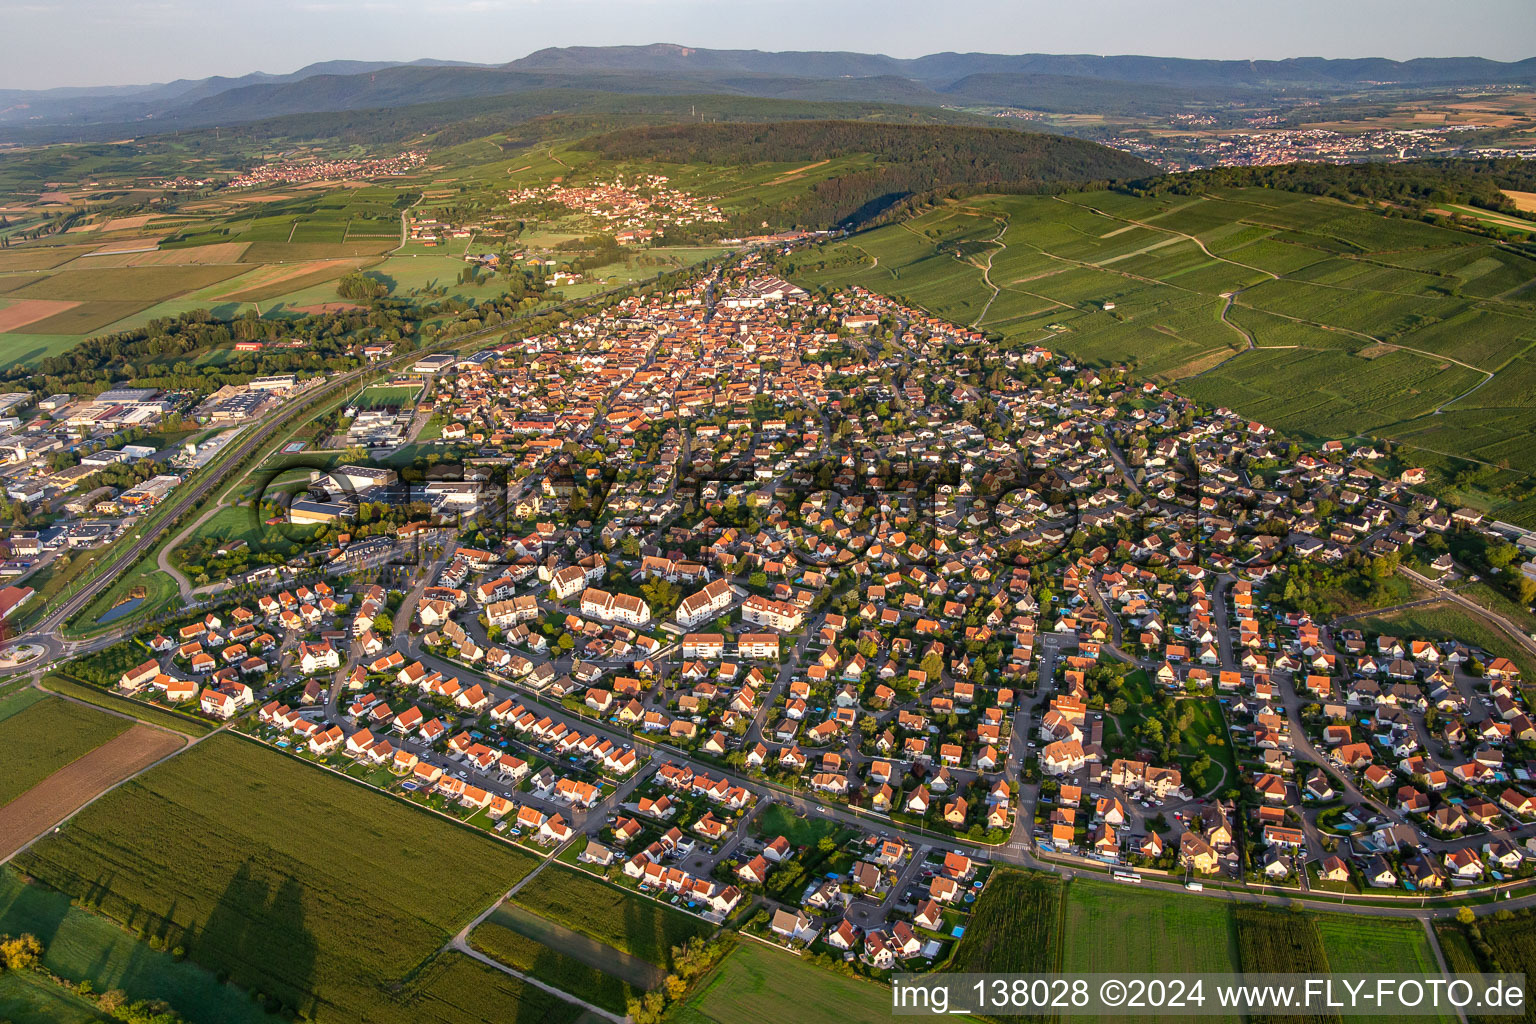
x=908, y=160
x=1416, y=184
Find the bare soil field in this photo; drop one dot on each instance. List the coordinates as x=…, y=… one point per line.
x=66, y=790
x=30, y=311
x=1525, y=202
x=130, y=223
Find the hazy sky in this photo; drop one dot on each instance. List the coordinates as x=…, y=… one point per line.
x=100, y=42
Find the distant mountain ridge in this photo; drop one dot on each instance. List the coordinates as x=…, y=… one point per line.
x=1121, y=84
x=940, y=67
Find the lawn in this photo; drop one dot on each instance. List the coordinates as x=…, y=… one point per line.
x=1207, y=734
x=47, y=735
x=318, y=893
x=800, y=829
x=627, y=921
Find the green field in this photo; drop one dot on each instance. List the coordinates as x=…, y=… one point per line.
x=457, y=990
x=1373, y=944
x=138, y=709
x=385, y=397
x=81, y=946
x=47, y=735
x=1113, y=928
x=1015, y=926
x=27, y=998
x=19, y=698
x=757, y=983
x=1272, y=942
x=320, y=894
x=625, y=920
x=800, y=829
x=1502, y=942
x=550, y=965
x=31, y=349
x=1154, y=931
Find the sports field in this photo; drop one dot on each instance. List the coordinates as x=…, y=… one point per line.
x=321, y=894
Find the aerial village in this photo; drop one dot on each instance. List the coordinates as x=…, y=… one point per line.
x=737, y=558
x=635, y=210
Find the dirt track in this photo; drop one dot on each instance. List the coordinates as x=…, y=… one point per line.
x=60, y=794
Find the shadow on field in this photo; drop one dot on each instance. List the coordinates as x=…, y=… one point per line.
x=257, y=938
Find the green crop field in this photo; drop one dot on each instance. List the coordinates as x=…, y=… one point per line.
x=1272, y=942
x=45, y=737
x=624, y=920
x=455, y=989
x=18, y=698
x=758, y=983
x=318, y=893
x=1157, y=931
x=69, y=687
x=1015, y=926
x=1494, y=945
